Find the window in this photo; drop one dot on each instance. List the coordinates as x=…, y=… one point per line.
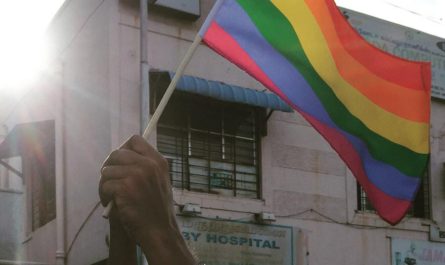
x=40, y=177
x=420, y=207
x=212, y=146
x=35, y=143
x=102, y=262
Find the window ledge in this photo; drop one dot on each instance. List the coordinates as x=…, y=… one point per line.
x=27, y=238
x=218, y=202
x=368, y=219
x=11, y=191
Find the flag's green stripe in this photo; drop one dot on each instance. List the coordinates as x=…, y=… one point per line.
x=277, y=30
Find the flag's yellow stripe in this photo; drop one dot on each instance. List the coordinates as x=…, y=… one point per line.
x=412, y=135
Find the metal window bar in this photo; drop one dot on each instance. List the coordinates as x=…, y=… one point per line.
x=420, y=207
x=241, y=178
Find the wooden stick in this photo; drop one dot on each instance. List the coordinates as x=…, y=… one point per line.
x=154, y=120
x=107, y=210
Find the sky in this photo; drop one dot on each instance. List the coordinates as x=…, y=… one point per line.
x=22, y=46
x=23, y=23
x=425, y=15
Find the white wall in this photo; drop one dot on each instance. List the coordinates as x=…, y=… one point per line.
x=83, y=37
x=437, y=162
x=12, y=224
x=37, y=105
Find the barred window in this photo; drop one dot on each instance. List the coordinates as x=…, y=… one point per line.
x=212, y=146
x=43, y=192
x=35, y=143
x=39, y=172
x=420, y=207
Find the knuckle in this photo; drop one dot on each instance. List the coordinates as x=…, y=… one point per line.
x=139, y=171
x=124, y=186
x=160, y=166
x=100, y=190
x=134, y=139
x=104, y=171
x=148, y=165
x=104, y=195
x=119, y=191
x=128, y=185
x=139, y=182
x=114, y=155
x=164, y=163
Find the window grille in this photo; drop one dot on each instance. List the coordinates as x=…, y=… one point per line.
x=420, y=207
x=34, y=142
x=211, y=146
x=43, y=194
x=41, y=176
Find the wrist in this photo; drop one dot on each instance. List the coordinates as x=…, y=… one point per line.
x=167, y=247
x=122, y=247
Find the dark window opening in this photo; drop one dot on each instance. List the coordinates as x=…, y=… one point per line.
x=35, y=143
x=42, y=180
x=420, y=207
x=212, y=146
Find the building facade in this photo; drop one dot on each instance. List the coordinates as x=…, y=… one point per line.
x=254, y=180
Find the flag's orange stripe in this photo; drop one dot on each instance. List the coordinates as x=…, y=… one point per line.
x=392, y=68
x=389, y=96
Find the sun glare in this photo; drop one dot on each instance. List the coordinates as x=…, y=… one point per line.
x=22, y=47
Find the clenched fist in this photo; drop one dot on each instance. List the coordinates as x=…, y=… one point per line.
x=136, y=178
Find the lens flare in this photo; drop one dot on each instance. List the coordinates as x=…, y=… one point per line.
x=23, y=54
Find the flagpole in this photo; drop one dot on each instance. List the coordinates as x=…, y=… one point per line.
x=155, y=118
x=188, y=56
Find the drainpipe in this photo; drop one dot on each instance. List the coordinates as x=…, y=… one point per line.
x=144, y=80
x=144, y=67
x=60, y=165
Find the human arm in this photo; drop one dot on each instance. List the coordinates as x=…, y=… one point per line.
x=136, y=178
x=122, y=247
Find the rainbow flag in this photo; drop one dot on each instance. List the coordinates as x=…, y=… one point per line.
x=373, y=108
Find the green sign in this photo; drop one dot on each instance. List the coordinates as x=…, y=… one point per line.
x=417, y=252
x=218, y=242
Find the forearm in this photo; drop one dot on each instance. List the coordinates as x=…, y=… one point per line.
x=167, y=248
x=122, y=248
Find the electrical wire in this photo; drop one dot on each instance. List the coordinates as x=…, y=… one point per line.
x=245, y=219
x=27, y=94
x=85, y=221
x=332, y=220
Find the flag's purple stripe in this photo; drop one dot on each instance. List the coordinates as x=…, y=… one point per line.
x=208, y=21
x=237, y=23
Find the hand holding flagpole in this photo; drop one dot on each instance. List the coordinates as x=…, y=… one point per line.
x=155, y=118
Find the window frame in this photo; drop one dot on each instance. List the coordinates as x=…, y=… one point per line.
x=258, y=115
x=423, y=197
x=39, y=171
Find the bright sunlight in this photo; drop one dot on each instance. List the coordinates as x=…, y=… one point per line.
x=22, y=47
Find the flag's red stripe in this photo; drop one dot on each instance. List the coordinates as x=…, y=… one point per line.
x=392, y=68
x=237, y=55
